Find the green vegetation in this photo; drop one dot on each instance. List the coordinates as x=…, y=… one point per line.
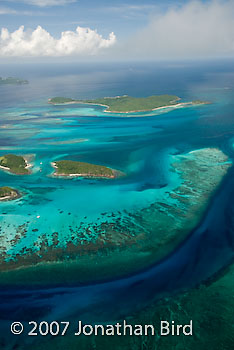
x=199, y=102
x=15, y=164
x=61, y=100
x=125, y=103
x=131, y=104
x=70, y=167
x=12, y=81
x=8, y=193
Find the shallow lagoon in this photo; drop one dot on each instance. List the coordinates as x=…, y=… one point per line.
x=134, y=232
x=79, y=208
x=141, y=147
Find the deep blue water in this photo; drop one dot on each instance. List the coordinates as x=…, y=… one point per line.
x=139, y=145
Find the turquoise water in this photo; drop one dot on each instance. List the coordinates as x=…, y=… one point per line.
x=141, y=146
x=86, y=134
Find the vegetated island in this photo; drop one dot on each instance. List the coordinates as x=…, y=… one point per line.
x=130, y=240
x=128, y=104
x=8, y=193
x=14, y=164
x=12, y=81
x=71, y=168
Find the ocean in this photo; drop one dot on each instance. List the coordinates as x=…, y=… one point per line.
x=142, y=146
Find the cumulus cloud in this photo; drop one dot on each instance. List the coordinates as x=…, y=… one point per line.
x=196, y=29
x=83, y=41
x=44, y=3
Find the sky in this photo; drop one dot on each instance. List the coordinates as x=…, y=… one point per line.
x=122, y=30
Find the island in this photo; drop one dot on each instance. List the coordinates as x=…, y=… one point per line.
x=8, y=193
x=12, y=81
x=128, y=104
x=14, y=164
x=72, y=250
x=71, y=168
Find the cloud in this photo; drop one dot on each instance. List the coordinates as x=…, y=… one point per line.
x=196, y=29
x=83, y=41
x=44, y=3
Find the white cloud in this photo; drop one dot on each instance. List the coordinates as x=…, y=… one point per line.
x=44, y=3
x=83, y=41
x=196, y=29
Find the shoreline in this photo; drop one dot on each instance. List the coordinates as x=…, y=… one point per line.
x=5, y=168
x=56, y=175
x=107, y=110
x=143, y=249
x=15, y=195
x=27, y=159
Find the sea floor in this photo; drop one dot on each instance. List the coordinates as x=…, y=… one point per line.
x=156, y=243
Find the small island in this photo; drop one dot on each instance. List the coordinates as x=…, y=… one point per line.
x=128, y=104
x=71, y=168
x=12, y=81
x=14, y=164
x=8, y=193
